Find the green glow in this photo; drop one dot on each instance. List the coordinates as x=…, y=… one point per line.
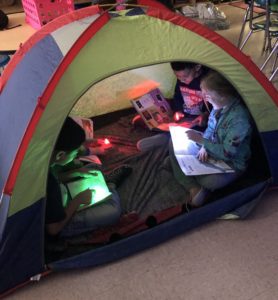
x=96, y=183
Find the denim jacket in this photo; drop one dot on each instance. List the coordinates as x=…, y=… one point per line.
x=228, y=135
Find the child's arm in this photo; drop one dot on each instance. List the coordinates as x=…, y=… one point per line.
x=201, y=120
x=82, y=198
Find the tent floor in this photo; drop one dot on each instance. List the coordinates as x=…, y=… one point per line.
x=123, y=136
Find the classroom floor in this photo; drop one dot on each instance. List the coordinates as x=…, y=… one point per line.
x=225, y=260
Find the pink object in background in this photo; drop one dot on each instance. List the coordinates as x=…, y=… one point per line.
x=40, y=12
x=120, y=6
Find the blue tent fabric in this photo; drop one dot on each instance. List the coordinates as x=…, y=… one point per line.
x=244, y=211
x=15, y=115
x=21, y=249
x=161, y=233
x=270, y=140
x=3, y=213
x=135, y=12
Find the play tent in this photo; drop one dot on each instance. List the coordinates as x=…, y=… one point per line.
x=48, y=75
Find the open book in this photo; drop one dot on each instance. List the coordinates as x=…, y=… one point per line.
x=186, y=150
x=153, y=108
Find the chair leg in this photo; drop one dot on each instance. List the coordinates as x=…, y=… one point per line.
x=273, y=74
x=269, y=56
x=245, y=18
x=246, y=39
x=274, y=63
x=268, y=41
x=265, y=43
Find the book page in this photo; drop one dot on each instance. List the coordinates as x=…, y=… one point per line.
x=166, y=126
x=182, y=145
x=153, y=108
x=186, y=154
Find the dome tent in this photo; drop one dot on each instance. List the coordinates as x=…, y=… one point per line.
x=58, y=64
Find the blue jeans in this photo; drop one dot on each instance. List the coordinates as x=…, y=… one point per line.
x=103, y=214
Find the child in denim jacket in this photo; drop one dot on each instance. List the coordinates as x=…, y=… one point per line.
x=227, y=138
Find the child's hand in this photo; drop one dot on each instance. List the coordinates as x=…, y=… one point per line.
x=85, y=197
x=202, y=155
x=83, y=172
x=201, y=120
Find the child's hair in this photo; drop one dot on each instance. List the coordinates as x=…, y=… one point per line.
x=71, y=136
x=180, y=65
x=216, y=82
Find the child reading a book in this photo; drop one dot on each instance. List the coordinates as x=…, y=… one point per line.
x=226, y=138
x=62, y=216
x=188, y=101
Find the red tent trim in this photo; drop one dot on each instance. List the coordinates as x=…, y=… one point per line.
x=78, y=45
x=221, y=42
x=152, y=3
x=40, y=34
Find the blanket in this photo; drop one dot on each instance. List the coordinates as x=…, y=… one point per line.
x=151, y=187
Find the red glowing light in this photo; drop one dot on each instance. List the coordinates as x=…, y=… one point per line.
x=106, y=142
x=176, y=117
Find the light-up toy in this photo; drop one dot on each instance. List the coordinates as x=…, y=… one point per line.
x=177, y=116
x=96, y=183
x=98, y=146
x=106, y=141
